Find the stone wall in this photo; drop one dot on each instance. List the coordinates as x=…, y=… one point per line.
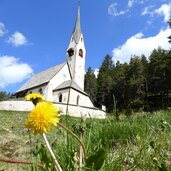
x=73, y=110
x=16, y=105
x=79, y=111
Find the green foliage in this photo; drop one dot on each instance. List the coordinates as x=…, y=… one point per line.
x=4, y=95
x=142, y=142
x=90, y=85
x=105, y=83
x=95, y=161
x=159, y=83
x=45, y=157
x=140, y=85
x=147, y=153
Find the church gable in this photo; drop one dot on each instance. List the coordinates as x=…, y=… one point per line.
x=59, y=78
x=70, y=84
x=76, y=97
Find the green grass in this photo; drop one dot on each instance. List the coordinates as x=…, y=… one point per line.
x=13, y=139
x=142, y=142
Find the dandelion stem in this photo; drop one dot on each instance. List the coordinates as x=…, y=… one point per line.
x=81, y=150
x=76, y=137
x=57, y=166
x=19, y=162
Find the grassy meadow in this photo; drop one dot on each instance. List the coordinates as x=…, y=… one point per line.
x=141, y=142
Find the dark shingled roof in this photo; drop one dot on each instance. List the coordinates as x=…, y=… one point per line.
x=41, y=77
x=72, y=84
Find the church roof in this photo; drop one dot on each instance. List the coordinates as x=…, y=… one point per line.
x=70, y=84
x=77, y=29
x=41, y=77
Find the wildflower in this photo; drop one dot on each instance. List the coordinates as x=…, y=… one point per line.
x=43, y=117
x=35, y=98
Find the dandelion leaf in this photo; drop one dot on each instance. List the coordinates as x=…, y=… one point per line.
x=95, y=161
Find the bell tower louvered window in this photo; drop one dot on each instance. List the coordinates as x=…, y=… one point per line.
x=81, y=53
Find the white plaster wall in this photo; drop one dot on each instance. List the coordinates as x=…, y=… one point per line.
x=36, y=90
x=16, y=105
x=76, y=111
x=64, y=95
x=83, y=101
x=80, y=64
x=60, y=77
x=79, y=111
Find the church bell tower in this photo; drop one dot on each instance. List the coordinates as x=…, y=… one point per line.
x=76, y=53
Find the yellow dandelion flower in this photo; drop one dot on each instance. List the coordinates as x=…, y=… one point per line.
x=35, y=98
x=43, y=117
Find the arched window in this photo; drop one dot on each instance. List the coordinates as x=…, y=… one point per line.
x=40, y=91
x=60, y=97
x=81, y=52
x=78, y=99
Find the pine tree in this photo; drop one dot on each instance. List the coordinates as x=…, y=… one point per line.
x=119, y=84
x=4, y=95
x=105, y=83
x=158, y=77
x=90, y=84
x=135, y=83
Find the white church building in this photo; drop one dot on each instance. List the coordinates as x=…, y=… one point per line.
x=64, y=83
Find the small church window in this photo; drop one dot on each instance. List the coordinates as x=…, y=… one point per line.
x=70, y=52
x=81, y=52
x=78, y=99
x=60, y=98
x=40, y=91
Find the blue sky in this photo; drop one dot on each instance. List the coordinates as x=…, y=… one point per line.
x=34, y=34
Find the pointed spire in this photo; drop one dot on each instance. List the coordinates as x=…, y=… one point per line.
x=77, y=29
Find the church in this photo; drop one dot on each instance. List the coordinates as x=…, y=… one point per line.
x=64, y=83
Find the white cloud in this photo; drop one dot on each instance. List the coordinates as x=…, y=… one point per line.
x=148, y=10
x=12, y=71
x=17, y=39
x=149, y=22
x=2, y=29
x=96, y=72
x=113, y=8
x=165, y=11
x=138, y=45
x=113, y=11
x=142, y=1
x=131, y=3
